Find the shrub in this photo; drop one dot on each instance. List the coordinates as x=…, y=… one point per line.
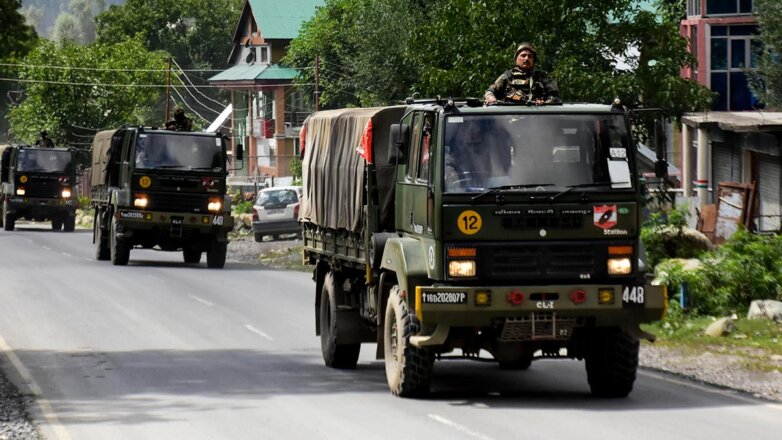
x=243, y=207
x=663, y=237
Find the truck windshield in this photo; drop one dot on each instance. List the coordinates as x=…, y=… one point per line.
x=43, y=161
x=544, y=152
x=177, y=151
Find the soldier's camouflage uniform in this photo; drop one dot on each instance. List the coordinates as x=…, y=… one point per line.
x=517, y=85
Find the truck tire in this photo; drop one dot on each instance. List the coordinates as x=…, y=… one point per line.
x=118, y=248
x=102, y=252
x=408, y=368
x=56, y=224
x=191, y=256
x=335, y=355
x=611, y=362
x=258, y=237
x=215, y=255
x=69, y=223
x=9, y=222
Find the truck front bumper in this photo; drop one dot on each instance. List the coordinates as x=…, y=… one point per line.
x=40, y=207
x=131, y=220
x=440, y=308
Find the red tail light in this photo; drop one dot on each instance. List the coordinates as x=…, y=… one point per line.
x=578, y=296
x=516, y=297
x=255, y=214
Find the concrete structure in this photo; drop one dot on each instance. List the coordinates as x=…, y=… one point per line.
x=736, y=142
x=267, y=111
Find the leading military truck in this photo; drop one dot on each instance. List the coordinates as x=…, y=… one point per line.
x=160, y=189
x=38, y=184
x=440, y=229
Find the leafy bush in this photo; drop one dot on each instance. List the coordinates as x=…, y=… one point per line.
x=243, y=207
x=663, y=236
x=747, y=267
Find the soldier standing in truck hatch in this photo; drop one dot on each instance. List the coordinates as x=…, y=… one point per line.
x=523, y=84
x=180, y=122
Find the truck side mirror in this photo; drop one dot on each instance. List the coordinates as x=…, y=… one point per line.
x=660, y=147
x=239, y=154
x=398, y=143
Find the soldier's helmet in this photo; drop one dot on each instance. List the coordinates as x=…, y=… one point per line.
x=526, y=46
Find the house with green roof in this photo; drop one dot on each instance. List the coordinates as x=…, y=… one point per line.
x=267, y=111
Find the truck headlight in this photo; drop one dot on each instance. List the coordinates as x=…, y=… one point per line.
x=66, y=193
x=461, y=268
x=20, y=191
x=619, y=266
x=140, y=202
x=214, y=205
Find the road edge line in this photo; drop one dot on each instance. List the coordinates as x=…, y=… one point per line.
x=33, y=389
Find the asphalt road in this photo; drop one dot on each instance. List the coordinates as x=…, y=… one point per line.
x=162, y=350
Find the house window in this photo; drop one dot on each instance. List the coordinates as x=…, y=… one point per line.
x=732, y=55
x=725, y=7
x=694, y=48
x=693, y=8
x=263, y=55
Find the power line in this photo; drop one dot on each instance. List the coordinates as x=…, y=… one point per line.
x=191, y=83
x=97, y=69
x=159, y=86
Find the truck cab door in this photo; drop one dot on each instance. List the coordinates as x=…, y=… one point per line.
x=416, y=190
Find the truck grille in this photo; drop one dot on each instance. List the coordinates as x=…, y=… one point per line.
x=538, y=326
x=45, y=189
x=543, y=222
x=537, y=261
x=178, y=202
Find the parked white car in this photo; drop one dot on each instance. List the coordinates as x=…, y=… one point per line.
x=276, y=212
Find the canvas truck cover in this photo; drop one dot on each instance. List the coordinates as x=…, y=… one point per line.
x=101, y=156
x=333, y=169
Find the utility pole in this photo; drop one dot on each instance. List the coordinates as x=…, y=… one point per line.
x=168, y=92
x=317, y=81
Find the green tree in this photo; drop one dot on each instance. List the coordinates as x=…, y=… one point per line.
x=388, y=49
x=16, y=40
x=197, y=33
x=768, y=81
x=94, y=87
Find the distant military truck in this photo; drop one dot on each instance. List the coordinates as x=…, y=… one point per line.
x=509, y=230
x=160, y=189
x=38, y=184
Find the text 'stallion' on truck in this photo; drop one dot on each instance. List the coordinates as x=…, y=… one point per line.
x=455, y=230
x=38, y=184
x=160, y=189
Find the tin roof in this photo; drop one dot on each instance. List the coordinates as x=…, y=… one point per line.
x=255, y=72
x=749, y=121
x=281, y=19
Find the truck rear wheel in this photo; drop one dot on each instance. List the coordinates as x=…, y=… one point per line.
x=335, y=355
x=215, y=255
x=611, y=362
x=191, y=256
x=69, y=223
x=119, y=249
x=101, y=241
x=408, y=368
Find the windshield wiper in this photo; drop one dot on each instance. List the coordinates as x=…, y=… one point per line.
x=497, y=189
x=584, y=185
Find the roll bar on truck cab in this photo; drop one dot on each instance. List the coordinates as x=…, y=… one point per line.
x=443, y=228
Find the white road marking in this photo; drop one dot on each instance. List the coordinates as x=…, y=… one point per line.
x=46, y=408
x=708, y=389
x=158, y=279
x=258, y=332
x=201, y=300
x=66, y=254
x=47, y=248
x=458, y=427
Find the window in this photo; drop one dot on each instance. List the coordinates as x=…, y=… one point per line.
x=413, y=150
x=693, y=7
x=426, y=142
x=732, y=54
x=263, y=55
x=724, y=7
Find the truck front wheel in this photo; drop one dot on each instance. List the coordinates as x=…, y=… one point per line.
x=215, y=255
x=611, y=362
x=69, y=223
x=335, y=355
x=408, y=368
x=119, y=249
x=9, y=221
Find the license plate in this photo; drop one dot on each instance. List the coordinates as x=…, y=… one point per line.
x=274, y=211
x=633, y=296
x=444, y=297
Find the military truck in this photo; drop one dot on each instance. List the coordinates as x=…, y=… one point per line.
x=160, y=189
x=440, y=227
x=38, y=184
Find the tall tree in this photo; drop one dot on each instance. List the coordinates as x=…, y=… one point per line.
x=391, y=48
x=197, y=33
x=768, y=81
x=74, y=90
x=16, y=39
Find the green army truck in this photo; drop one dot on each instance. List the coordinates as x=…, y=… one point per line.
x=38, y=184
x=440, y=226
x=160, y=189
